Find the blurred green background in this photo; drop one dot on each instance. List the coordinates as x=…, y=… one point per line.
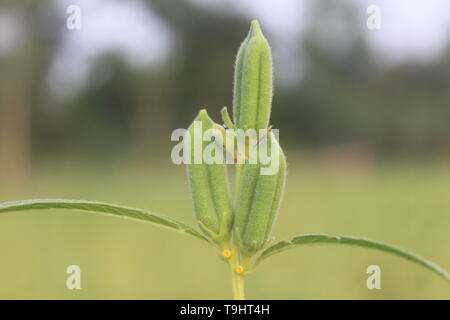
x=87, y=114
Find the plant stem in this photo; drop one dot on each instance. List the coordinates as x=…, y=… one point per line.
x=238, y=286
x=238, y=173
x=237, y=279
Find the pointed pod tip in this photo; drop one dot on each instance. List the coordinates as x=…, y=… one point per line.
x=255, y=23
x=255, y=28
x=203, y=116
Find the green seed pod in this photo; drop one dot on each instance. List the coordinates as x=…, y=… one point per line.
x=253, y=83
x=258, y=202
x=208, y=183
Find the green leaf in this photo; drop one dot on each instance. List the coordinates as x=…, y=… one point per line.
x=353, y=241
x=101, y=208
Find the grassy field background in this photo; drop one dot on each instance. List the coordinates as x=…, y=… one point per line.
x=400, y=202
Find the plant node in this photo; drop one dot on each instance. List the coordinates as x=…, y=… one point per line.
x=226, y=253
x=239, y=269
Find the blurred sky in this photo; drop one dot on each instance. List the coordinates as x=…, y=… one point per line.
x=410, y=29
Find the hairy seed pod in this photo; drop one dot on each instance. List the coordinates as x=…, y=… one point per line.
x=258, y=202
x=208, y=183
x=253, y=83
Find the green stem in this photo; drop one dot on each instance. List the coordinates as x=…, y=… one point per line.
x=238, y=173
x=238, y=285
x=237, y=279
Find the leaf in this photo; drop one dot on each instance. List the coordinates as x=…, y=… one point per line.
x=353, y=241
x=102, y=208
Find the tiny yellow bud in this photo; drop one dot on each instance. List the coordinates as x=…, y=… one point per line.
x=226, y=253
x=239, y=269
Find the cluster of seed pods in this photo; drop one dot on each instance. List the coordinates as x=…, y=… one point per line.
x=244, y=221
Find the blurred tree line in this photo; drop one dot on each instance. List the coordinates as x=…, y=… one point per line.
x=344, y=96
